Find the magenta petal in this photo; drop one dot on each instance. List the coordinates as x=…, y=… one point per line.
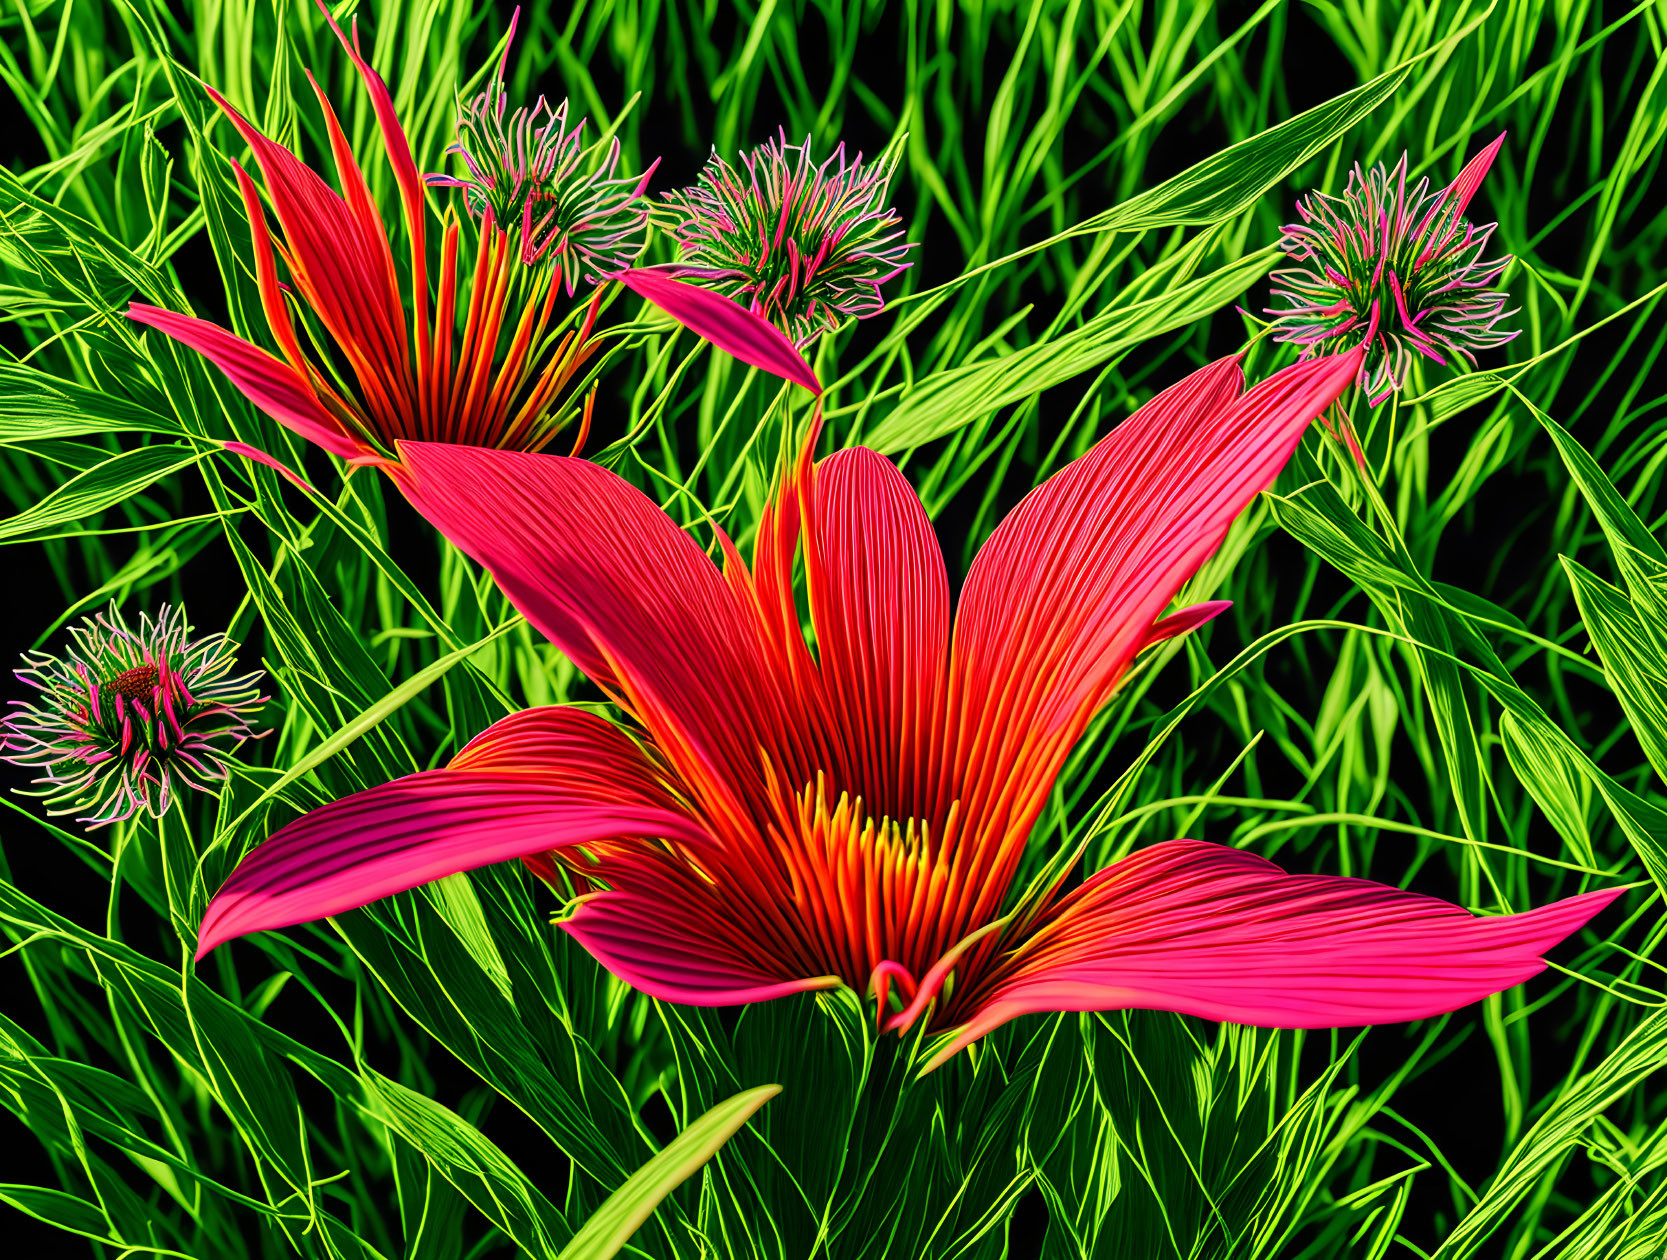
x=1057, y=602
x=538, y=780
x=1470, y=178
x=1066, y=591
x=267, y=381
x=629, y=597
x=1186, y=620
x=1217, y=932
x=660, y=947
x=410, y=832
x=879, y=600
x=749, y=337
x=271, y=461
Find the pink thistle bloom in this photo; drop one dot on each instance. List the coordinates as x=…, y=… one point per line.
x=777, y=819
x=127, y=715
x=539, y=178
x=481, y=361
x=804, y=246
x=1395, y=271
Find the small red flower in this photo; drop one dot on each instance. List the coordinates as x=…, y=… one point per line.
x=530, y=173
x=805, y=245
x=126, y=717
x=485, y=364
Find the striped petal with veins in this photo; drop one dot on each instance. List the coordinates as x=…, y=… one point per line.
x=786, y=818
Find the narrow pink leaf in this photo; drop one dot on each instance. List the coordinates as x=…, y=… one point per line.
x=266, y=380
x=1470, y=178
x=1186, y=620
x=261, y=457
x=726, y=324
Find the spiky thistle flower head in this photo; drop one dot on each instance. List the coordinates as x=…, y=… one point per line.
x=1399, y=271
x=530, y=173
x=125, y=716
x=805, y=246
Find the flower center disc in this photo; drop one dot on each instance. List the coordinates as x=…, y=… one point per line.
x=867, y=889
x=136, y=683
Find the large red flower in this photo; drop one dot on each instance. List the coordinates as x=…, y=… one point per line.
x=776, y=818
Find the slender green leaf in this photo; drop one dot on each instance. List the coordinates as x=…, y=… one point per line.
x=114, y=481
x=612, y=1225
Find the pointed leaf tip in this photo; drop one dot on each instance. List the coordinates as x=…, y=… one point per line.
x=727, y=325
x=1475, y=171
x=611, y=1226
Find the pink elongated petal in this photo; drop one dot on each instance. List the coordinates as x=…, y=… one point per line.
x=271, y=461
x=1186, y=620
x=1470, y=178
x=1058, y=600
x=264, y=379
x=537, y=781
x=412, y=194
x=668, y=950
x=589, y=558
x=879, y=599
x=1066, y=592
x=1051, y=586
x=407, y=833
x=731, y=327
x=1220, y=933
x=629, y=597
